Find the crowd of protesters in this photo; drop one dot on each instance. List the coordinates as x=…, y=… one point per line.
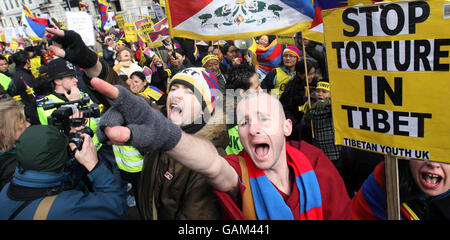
x=188, y=131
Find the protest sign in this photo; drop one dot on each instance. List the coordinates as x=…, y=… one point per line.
x=286, y=39
x=388, y=66
x=143, y=27
x=130, y=32
x=144, y=30
x=158, y=11
x=120, y=19
x=13, y=44
x=2, y=34
x=162, y=3
x=81, y=22
x=10, y=32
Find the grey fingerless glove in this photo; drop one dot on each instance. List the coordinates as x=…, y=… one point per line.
x=150, y=130
x=111, y=118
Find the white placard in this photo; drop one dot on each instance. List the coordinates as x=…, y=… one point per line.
x=158, y=11
x=81, y=22
x=10, y=32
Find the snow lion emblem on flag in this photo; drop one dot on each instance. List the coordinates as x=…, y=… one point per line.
x=241, y=12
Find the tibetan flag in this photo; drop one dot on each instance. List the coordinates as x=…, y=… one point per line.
x=103, y=9
x=237, y=19
x=315, y=32
x=202, y=43
x=42, y=21
x=33, y=30
x=140, y=22
x=268, y=58
x=157, y=90
x=134, y=46
x=196, y=52
x=152, y=92
x=160, y=35
x=153, y=66
x=140, y=42
x=149, y=53
x=207, y=43
x=148, y=73
x=27, y=11
x=161, y=24
x=83, y=6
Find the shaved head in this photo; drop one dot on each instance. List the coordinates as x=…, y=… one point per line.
x=257, y=100
x=263, y=128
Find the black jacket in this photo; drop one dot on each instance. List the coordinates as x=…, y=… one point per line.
x=8, y=164
x=20, y=80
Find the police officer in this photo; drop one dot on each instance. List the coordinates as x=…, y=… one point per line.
x=62, y=75
x=20, y=87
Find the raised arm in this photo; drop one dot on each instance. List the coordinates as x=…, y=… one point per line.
x=148, y=130
x=205, y=159
x=69, y=45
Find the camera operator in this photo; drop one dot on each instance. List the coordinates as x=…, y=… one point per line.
x=36, y=192
x=62, y=74
x=67, y=44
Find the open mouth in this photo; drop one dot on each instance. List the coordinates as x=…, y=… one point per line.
x=175, y=111
x=431, y=180
x=261, y=150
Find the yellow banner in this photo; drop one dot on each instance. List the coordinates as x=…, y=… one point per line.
x=144, y=30
x=130, y=32
x=286, y=39
x=155, y=44
x=120, y=20
x=388, y=67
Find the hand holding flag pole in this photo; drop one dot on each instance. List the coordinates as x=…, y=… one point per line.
x=307, y=85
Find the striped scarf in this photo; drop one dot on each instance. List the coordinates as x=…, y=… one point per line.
x=269, y=57
x=268, y=202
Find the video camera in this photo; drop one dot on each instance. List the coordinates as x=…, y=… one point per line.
x=61, y=117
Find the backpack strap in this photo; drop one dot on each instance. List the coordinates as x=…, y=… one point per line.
x=44, y=207
x=248, y=206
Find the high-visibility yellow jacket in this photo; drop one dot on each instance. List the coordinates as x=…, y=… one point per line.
x=52, y=98
x=5, y=81
x=128, y=158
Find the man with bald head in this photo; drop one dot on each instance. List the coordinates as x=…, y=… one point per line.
x=271, y=179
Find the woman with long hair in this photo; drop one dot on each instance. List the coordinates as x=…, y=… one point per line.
x=12, y=125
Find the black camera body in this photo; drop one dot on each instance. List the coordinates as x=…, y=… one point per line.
x=76, y=138
x=60, y=118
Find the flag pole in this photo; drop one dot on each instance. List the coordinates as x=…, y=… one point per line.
x=307, y=84
x=68, y=5
x=158, y=53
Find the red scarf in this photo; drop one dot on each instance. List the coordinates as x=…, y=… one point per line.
x=267, y=201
